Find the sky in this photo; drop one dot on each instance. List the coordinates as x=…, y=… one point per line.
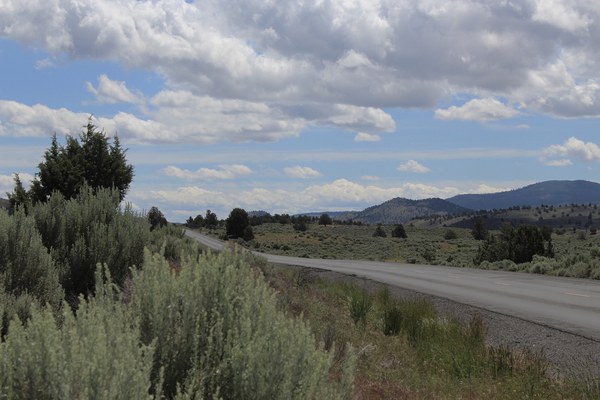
x=304, y=106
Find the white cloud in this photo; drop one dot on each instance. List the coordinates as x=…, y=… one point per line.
x=224, y=172
x=366, y=137
x=299, y=172
x=482, y=110
x=563, y=162
x=560, y=15
x=18, y=119
x=541, y=54
x=44, y=63
x=485, y=188
x=340, y=194
x=110, y=92
x=413, y=166
x=574, y=148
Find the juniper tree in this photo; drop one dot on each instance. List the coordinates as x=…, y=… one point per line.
x=90, y=159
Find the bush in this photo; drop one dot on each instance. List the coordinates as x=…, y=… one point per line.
x=399, y=232
x=25, y=264
x=450, y=235
x=218, y=332
x=379, y=232
x=93, y=355
x=359, y=304
x=91, y=229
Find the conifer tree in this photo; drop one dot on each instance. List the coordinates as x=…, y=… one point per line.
x=91, y=160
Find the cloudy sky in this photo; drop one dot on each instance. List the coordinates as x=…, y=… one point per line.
x=291, y=106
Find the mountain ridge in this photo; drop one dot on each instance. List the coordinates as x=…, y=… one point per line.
x=553, y=192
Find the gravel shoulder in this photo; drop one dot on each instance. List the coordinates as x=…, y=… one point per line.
x=567, y=353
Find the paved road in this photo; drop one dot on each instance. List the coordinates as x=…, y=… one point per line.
x=572, y=305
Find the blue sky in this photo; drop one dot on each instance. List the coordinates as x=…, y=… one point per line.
x=307, y=106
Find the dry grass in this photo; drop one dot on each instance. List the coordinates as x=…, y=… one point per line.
x=449, y=361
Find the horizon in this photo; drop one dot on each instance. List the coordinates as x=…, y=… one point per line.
x=281, y=107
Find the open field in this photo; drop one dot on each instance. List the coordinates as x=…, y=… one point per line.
x=577, y=252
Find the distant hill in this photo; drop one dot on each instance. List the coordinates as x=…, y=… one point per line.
x=339, y=215
x=400, y=210
x=547, y=193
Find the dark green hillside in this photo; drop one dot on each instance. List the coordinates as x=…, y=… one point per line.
x=400, y=210
x=5, y=204
x=547, y=193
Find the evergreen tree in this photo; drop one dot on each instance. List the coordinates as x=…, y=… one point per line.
x=479, y=231
x=399, y=232
x=19, y=196
x=156, y=218
x=325, y=220
x=379, y=232
x=88, y=160
x=211, y=221
x=237, y=223
x=300, y=224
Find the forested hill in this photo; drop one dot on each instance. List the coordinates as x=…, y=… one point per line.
x=400, y=210
x=547, y=193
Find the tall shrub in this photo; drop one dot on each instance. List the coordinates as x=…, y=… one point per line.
x=25, y=264
x=89, y=229
x=218, y=333
x=93, y=355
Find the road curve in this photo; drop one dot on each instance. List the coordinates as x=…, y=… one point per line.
x=568, y=304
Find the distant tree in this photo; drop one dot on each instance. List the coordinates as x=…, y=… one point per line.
x=19, y=196
x=325, y=220
x=379, y=232
x=210, y=220
x=518, y=245
x=248, y=233
x=300, y=224
x=450, y=235
x=237, y=223
x=91, y=159
x=156, y=218
x=399, y=232
x=479, y=230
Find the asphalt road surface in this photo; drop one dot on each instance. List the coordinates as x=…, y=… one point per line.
x=568, y=304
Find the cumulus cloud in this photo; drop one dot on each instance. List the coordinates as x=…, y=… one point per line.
x=572, y=148
x=413, y=166
x=482, y=110
x=339, y=194
x=366, y=137
x=110, y=92
x=541, y=54
x=301, y=172
x=224, y=172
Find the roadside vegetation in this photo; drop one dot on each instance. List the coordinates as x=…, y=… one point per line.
x=560, y=252
x=98, y=301
x=406, y=349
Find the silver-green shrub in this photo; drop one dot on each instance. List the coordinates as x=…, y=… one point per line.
x=27, y=273
x=89, y=229
x=94, y=355
x=219, y=334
